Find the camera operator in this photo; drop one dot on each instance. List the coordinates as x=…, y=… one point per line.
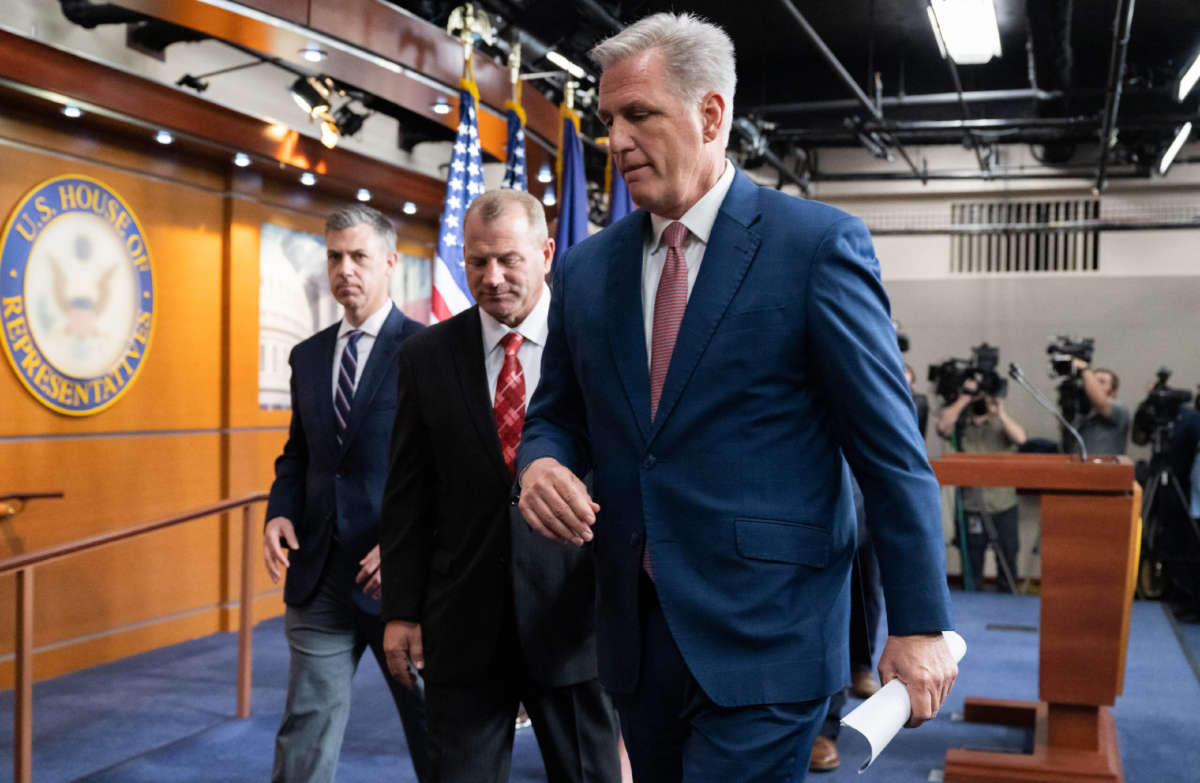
x=1105, y=427
x=977, y=422
x=919, y=400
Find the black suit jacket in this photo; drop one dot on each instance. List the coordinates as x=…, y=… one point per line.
x=455, y=551
x=320, y=486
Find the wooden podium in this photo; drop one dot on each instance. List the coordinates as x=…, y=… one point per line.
x=1090, y=538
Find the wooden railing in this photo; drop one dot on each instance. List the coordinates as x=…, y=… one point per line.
x=23, y=566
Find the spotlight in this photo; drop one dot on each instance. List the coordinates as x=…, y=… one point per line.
x=313, y=53
x=348, y=121
x=241, y=160
x=409, y=208
x=72, y=111
x=363, y=194
x=549, y=199
x=191, y=82
x=1169, y=156
x=329, y=132
x=163, y=137
x=544, y=174
x=311, y=95
x=308, y=179
x=440, y=106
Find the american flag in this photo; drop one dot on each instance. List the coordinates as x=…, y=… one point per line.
x=450, y=292
x=514, y=165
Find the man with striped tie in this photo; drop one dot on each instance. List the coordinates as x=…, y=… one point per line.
x=490, y=612
x=324, y=507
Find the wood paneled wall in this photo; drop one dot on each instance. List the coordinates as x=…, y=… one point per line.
x=188, y=433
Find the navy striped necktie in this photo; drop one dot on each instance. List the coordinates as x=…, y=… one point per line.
x=345, y=385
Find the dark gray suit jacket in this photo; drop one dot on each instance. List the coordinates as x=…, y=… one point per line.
x=455, y=550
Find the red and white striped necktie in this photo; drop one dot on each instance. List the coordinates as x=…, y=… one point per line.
x=509, y=405
x=669, y=304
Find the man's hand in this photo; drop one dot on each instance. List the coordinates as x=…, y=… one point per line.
x=402, y=646
x=555, y=502
x=994, y=406
x=924, y=664
x=369, y=575
x=273, y=553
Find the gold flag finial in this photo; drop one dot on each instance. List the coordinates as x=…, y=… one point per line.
x=467, y=22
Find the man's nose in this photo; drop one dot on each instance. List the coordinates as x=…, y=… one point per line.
x=493, y=275
x=619, y=138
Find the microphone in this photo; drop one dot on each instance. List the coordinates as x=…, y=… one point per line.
x=1015, y=373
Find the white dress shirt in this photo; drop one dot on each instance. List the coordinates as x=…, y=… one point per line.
x=362, y=349
x=534, y=329
x=699, y=221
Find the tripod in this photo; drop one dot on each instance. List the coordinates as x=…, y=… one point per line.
x=1162, y=479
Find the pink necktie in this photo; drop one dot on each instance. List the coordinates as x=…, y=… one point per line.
x=510, y=400
x=669, y=304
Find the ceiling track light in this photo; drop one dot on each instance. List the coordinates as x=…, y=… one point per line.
x=312, y=94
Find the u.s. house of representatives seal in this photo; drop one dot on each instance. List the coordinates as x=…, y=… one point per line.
x=76, y=294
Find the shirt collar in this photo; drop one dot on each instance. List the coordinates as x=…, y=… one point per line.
x=534, y=329
x=703, y=214
x=372, y=325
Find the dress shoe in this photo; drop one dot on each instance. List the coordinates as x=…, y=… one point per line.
x=863, y=683
x=824, y=756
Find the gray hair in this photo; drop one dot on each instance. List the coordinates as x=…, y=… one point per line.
x=491, y=205
x=351, y=215
x=699, y=56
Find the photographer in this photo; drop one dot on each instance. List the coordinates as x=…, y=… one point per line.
x=977, y=422
x=1104, y=428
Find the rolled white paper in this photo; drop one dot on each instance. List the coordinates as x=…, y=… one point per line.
x=880, y=717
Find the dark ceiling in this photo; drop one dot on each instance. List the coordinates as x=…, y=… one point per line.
x=1062, y=48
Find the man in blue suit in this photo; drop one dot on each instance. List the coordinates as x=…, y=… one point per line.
x=720, y=359
x=323, y=514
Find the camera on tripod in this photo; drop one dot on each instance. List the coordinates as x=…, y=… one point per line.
x=950, y=376
x=1072, y=399
x=1153, y=419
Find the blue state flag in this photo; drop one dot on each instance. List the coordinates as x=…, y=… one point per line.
x=573, y=204
x=620, y=203
x=514, y=159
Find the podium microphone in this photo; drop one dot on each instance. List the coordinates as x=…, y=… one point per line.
x=1015, y=373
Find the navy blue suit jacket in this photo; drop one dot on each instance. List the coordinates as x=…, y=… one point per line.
x=786, y=367
x=323, y=487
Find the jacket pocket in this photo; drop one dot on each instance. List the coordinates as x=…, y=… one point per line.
x=781, y=541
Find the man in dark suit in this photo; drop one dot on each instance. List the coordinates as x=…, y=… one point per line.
x=324, y=508
x=489, y=611
x=718, y=358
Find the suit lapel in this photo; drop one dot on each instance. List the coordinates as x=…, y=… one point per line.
x=327, y=426
x=626, y=324
x=732, y=245
x=467, y=353
x=383, y=354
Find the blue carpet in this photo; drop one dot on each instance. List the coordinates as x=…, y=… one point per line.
x=166, y=715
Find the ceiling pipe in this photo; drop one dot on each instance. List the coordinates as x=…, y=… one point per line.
x=927, y=99
x=845, y=76
x=1122, y=22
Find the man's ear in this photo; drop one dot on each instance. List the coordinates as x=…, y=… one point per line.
x=712, y=114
